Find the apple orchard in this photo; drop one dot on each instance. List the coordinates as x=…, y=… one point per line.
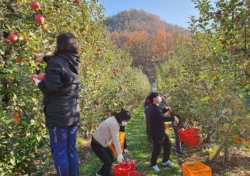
x=207, y=77
x=28, y=31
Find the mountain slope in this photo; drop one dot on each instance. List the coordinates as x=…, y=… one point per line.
x=147, y=38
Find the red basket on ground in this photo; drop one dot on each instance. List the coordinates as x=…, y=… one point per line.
x=193, y=141
x=192, y=137
x=181, y=134
x=192, y=131
x=121, y=170
x=136, y=174
x=131, y=163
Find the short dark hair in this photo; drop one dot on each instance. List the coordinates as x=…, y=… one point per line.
x=66, y=44
x=153, y=95
x=123, y=115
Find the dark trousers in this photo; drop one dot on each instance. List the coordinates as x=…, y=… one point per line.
x=148, y=132
x=159, y=142
x=177, y=142
x=63, y=148
x=122, y=129
x=105, y=155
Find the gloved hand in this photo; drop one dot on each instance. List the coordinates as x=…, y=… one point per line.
x=120, y=158
x=36, y=81
x=176, y=120
x=168, y=108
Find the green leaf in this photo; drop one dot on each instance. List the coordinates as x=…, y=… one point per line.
x=236, y=118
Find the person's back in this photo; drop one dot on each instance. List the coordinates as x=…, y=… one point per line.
x=147, y=108
x=107, y=131
x=61, y=106
x=60, y=88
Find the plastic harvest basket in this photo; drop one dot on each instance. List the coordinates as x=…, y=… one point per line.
x=196, y=169
x=121, y=170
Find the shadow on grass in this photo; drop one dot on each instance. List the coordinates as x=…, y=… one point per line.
x=139, y=150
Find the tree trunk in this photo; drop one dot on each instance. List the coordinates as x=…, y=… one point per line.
x=227, y=155
x=208, y=138
x=216, y=153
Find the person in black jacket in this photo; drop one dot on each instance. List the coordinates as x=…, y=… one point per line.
x=61, y=107
x=160, y=138
x=147, y=104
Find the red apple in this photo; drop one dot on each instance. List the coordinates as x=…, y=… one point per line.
x=232, y=48
x=77, y=2
x=19, y=59
x=226, y=14
x=218, y=13
x=237, y=17
x=33, y=76
x=223, y=41
x=39, y=19
x=41, y=76
x=12, y=38
x=34, y=5
x=96, y=104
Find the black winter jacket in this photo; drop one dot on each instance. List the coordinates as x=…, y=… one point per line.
x=157, y=120
x=60, y=88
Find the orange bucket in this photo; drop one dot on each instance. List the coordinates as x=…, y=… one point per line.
x=122, y=140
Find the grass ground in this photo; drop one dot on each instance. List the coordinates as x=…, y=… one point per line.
x=139, y=150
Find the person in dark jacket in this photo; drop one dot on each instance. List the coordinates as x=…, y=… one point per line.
x=160, y=138
x=147, y=103
x=61, y=107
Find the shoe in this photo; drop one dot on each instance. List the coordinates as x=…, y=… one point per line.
x=98, y=174
x=180, y=153
x=168, y=163
x=156, y=168
x=125, y=151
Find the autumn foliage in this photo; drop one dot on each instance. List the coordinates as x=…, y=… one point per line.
x=148, y=39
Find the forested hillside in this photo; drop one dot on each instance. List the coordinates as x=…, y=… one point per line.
x=148, y=39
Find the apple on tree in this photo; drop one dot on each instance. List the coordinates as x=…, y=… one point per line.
x=34, y=5
x=19, y=59
x=77, y=2
x=218, y=13
x=232, y=48
x=223, y=41
x=12, y=37
x=39, y=19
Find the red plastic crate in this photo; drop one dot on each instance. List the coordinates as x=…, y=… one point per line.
x=192, y=141
x=181, y=134
x=131, y=163
x=190, y=136
x=196, y=169
x=121, y=170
